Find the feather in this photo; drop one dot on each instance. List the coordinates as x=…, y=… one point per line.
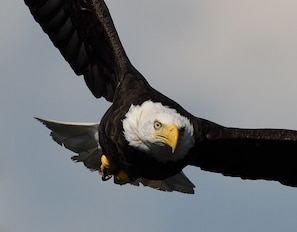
x=178, y=182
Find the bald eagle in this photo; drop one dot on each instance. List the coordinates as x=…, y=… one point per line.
x=145, y=137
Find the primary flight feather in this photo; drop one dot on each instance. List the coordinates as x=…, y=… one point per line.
x=145, y=137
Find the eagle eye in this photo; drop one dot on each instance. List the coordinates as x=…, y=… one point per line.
x=157, y=125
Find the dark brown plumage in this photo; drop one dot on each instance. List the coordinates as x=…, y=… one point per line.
x=84, y=33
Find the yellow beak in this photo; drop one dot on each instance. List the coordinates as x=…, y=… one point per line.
x=169, y=135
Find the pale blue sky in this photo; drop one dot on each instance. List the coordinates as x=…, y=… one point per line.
x=233, y=62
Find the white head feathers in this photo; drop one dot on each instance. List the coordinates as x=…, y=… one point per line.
x=139, y=130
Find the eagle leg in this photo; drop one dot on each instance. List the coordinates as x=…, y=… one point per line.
x=108, y=168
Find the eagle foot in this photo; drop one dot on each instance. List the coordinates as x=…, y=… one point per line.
x=108, y=168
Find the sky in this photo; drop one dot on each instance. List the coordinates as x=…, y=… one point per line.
x=232, y=62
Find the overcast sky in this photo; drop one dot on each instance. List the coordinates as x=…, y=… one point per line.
x=232, y=62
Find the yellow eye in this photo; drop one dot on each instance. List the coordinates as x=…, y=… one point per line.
x=157, y=125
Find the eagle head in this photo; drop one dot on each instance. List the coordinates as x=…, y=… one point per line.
x=158, y=130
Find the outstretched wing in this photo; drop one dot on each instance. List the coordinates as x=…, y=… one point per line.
x=82, y=138
x=84, y=33
x=267, y=154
